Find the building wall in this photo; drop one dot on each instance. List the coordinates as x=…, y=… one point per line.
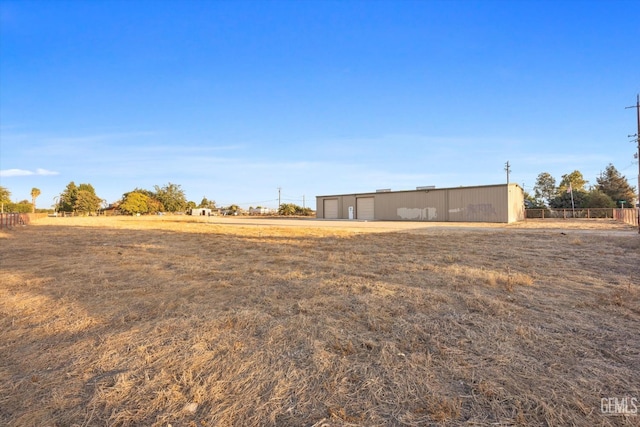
x=492, y=203
x=516, y=203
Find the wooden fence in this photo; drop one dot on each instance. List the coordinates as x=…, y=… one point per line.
x=627, y=215
x=8, y=220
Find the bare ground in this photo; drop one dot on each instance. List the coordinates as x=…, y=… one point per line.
x=229, y=321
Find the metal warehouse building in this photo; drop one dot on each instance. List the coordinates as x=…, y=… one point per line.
x=486, y=203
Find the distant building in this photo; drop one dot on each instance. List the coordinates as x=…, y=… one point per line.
x=486, y=203
x=260, y=211
x=200, y=212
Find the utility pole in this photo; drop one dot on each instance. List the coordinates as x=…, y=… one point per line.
x=303, y=205
x=507, y=168
x=279, y=189
x=637, y=107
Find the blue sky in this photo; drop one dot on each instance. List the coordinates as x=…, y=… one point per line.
x=233, y=99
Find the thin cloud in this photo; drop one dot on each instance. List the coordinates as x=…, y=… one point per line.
x=98, y=137
x=23, y=172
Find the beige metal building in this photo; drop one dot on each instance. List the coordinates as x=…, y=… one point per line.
x=486, y=203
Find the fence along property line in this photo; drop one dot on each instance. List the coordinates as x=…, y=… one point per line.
x=8, y=220
x=627, y=215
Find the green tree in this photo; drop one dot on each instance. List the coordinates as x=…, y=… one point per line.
x=206, y=203
x=135, y=202
x=531, y=202
x=287, y=209
x=563, y=200
x=232, y=210
x=152, y=204
x=616, y=186
x=598, y=199
x=545, y=187
x=5, y=198
x=87, y=202
x=172, y=197
x=35, y=192
x=68, y=198
x=23, y=206
x=574, y=178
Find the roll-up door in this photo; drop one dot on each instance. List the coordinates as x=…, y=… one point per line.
x=331, y=209
x=364, y=208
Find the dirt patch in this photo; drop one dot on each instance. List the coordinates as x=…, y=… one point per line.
x=171, y=320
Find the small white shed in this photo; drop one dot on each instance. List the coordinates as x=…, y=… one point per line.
x=200, y=212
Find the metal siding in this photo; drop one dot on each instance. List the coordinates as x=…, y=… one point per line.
x=423, y=205
x=478, y=204
x=492, y=203
x=330, y=208
x=348, y=200
x=516, y=203
x=365, y=208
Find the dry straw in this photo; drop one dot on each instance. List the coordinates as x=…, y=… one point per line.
x=173, y=321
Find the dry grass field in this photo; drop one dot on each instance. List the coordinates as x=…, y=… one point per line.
x=240, y=322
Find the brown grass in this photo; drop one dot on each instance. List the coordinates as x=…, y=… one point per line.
x=173, y=320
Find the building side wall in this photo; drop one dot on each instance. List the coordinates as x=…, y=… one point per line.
x=428, y=205
x=347, y=200
x=499, y=203
x=480, y=204
x=320, y=207
x=516, y=203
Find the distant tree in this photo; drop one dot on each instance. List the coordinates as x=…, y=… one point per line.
x=68, y=198
x=145, y=192
x=206, y=203
x=616, y=186
x=136, y=202
x=287, y=209
x=545, y=187
x=35, y=192
x=563, y=200
x=304, y=211
x=87, y=201
x=151, y=203
x=293, y=209
x=191, y=204
x=23, y=206
x=575, y=179
x=531, y=202
x=79, y=198
x=5, y=198
x=598, y=199
x=87, y=187
x=172, y=197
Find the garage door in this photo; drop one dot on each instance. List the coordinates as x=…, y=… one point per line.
x=331, y=209
x=364, y=208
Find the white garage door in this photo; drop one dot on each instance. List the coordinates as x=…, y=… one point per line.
x=331, y=209
x=364, y=208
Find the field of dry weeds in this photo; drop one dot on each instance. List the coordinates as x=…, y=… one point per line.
x=184, y=322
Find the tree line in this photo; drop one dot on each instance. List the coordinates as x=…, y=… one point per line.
x=611, y=190
x=82, y=199
x=23, y=206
